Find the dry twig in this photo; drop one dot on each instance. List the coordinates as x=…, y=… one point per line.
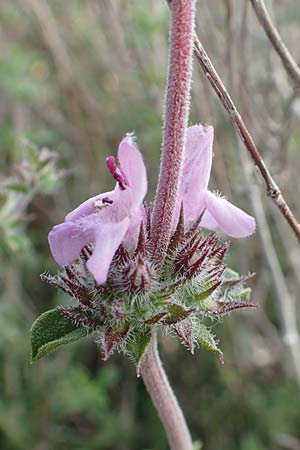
x=275, y=39
x=272, y=189
x=285, y=301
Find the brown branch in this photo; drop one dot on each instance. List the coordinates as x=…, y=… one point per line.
x=271, y=31
x=272, y=189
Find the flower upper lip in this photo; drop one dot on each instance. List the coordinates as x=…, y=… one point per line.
x=219, y=213
x=114, y=217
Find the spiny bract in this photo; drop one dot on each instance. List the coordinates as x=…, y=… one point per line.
x=192, y=286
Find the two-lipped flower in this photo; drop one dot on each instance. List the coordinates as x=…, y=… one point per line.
x=112, y=218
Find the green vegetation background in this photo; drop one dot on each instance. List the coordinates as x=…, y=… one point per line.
x=75, y=77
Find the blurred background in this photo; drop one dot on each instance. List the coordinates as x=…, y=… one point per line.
x=75, y=76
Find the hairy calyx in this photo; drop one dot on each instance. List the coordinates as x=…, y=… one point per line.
x=181, y=297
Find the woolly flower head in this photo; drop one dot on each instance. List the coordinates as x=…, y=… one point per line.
x=120, y=293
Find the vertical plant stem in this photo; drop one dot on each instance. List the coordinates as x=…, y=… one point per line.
x=161, y=393
x=175, y=122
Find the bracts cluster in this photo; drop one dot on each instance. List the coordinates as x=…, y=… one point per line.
x=182, y=296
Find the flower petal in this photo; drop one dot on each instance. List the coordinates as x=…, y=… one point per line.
x=108, y=238
x=67, y=239
x=232, y=220
x=87, y=207
x=208, y=221
x=198, y=155
x=196, y=169
x=132, y=235
x=133, y=167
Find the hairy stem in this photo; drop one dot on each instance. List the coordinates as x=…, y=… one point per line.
x=161, y=393
x=175, y=122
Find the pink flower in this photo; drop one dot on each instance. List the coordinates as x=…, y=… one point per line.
x=106, y=219
x=195, y=195
x=114, y=217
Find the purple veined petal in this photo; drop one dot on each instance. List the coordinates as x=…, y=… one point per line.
x=108, y=238
x=232, y=220
x=67, y=239
x=133, y=167
x=87, y=207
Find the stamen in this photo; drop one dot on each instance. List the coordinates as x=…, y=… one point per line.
x=107, y=200
x=116, y=172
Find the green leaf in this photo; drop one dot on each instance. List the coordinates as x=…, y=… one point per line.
x=230, y=275
x=176, y=313
x=201, y=296
x=158, y=299
x=51, y=330
x=197, y=445
x=16, y=186
x=137, y=346
x=245, y=294
x=233, y=282
x=207, y=339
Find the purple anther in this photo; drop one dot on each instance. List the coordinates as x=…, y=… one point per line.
x=107, y=200
x=111, y=164
x=116, y=172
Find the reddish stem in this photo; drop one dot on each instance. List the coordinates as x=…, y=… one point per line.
x=164, y=400
x=175, y=123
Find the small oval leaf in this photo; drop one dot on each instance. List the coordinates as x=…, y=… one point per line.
x=51, y=330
